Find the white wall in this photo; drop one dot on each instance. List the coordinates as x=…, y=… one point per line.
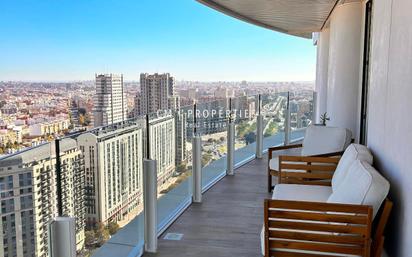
x=345, y=42
x=390, y=102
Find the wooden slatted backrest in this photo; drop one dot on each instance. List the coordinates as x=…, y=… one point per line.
x=313, y=170
x=308, y=229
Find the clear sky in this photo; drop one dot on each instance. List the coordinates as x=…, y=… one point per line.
x=58, y=40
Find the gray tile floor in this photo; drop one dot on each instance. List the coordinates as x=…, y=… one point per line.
x=227, y=222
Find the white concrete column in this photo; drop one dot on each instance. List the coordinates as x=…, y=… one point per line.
x=150, y=205
x=322, y=61
x=345, y=66
x=197, y=169
x=62, y=237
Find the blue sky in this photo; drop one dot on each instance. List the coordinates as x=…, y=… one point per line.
x=51, y=40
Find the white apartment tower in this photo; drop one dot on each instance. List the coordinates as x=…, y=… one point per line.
x=29, y=197
x=113, y=158
x=110, y=103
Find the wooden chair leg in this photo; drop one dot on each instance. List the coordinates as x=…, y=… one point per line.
x=378, y=240
x=269, y=181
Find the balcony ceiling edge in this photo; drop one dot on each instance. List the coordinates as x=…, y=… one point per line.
x=294, y=17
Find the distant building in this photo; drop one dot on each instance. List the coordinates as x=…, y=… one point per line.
x=8, y=136
x=29, y=197
x=155, y=91
x=113, y=163
x=9, y=109
x=190, y=93
x=74, y=112
x=110, y=104
x=49, y=127
x=223, y=92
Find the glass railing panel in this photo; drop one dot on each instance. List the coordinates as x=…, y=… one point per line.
x=244, y=111
x=301, y=112
x=168, y=141
x=274, y=112
x=113, y=167
x=211, y=126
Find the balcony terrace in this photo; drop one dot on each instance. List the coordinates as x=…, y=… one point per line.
x=228, y=222
x=363, y=82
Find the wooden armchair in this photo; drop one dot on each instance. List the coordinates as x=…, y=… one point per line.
x=318, y=141
x=308, y=229
x=274, y=171
x=303, y=228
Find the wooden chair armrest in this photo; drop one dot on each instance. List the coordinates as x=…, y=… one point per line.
x=283, y=147
x=307, y=170
x=323, y=228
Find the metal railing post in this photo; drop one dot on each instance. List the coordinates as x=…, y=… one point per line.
x=287, y=121
x=259, y=132
x=259, y=137
x=150, y=205
x=62, y=237
x=230, y=142
x=197, y=168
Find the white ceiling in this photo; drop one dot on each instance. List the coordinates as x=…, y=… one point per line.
x=294, y=17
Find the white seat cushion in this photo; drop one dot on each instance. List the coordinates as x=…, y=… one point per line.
x=321, y=140
x=362, y=185
x=274, y=163
x=352, y=153
x=301, y=193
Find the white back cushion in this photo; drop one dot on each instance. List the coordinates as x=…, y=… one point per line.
x=362, y=185
x=352, y=153
x=321, y=140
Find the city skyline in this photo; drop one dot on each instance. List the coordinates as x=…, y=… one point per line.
x=218, y=48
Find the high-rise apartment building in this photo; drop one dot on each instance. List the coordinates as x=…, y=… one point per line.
x=155, y=93
x=110, y=104
x=29, y=197
x=113, y=164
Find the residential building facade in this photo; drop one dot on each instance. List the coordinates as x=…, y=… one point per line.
x=29, y=197
x=113, y=165
x=155, y=93
x=163, y=146
x=110, y=104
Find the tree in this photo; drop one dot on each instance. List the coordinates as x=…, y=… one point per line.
x=206, y=158
x=181, y=168
x=89, y=237
x=113, y=227
x=101, y=233
x=250, y=137
x=81, y=119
